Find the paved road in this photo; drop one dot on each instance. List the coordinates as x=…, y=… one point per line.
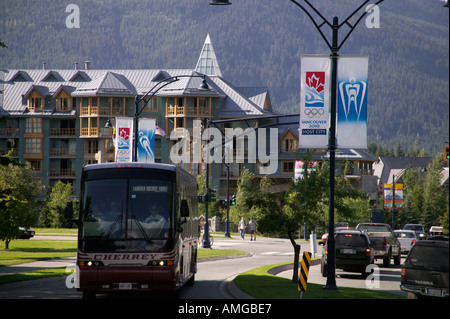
x=213, y=280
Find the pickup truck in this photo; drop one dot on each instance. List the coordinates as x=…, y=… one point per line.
x=425, y=272
x=383, y=242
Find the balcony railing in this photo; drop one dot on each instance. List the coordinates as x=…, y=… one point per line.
x=5, y=150
x=61, y=173
x=62, y=152
x=188, y=110
x=102, y=110
x=9, y=131
x=62, y=132
x=96, y=132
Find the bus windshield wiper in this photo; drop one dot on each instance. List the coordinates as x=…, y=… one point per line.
x=111, y=228
x=138, y=223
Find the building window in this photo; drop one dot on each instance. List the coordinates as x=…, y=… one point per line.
x=90, y=161
x=91, y=147
x=36, y=165
x=33, y=146
x=289, y=145
x=33, y=125
x=109, y=147
x=35, y=104
x=152, y=105
x=287, y=167
x=63, y=104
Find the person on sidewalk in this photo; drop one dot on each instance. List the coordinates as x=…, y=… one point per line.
x=252, y=227
x=242, y=227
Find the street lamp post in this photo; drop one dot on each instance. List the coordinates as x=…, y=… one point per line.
x=206, y=242
x=149, y=95
x=334, y=46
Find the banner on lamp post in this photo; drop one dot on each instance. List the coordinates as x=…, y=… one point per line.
x=314, y=101
x=123, y=140
x=146, y=140
x=300, y=169
x=388, y=195
x=351, y=126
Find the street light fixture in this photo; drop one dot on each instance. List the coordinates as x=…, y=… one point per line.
x=150, y=94
x=220, y=2
x=334, y=46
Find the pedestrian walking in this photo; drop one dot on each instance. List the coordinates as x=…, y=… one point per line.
x=242, y=227
x=252, y=227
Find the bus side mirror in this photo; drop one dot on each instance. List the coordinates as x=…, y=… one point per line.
x=68, y=211
x=184, y=208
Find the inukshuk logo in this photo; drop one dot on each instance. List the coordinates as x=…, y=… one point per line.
x=352, y=99
x=315, y=94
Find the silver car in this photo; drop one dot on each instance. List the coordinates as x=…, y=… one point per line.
x=407, y=238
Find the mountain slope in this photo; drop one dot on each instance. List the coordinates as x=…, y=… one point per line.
x=257, y=42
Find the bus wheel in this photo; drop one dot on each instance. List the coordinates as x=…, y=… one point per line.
x=191, y=281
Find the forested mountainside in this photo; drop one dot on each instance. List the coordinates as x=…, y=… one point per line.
x=257, y=43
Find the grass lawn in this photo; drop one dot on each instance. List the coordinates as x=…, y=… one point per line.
x=262, y=285
x=24, y=251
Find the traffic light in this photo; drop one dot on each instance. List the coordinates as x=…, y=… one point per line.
x=212, y=195
x=446, y=153
x=233, y=200
x=201, y=198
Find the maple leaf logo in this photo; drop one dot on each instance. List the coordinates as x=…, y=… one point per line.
x=316, y=80
x=124, y=133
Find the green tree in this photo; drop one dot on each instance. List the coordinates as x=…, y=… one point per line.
x=18, y=193
x=436, y=197
x=56, y=203
x=413, y=196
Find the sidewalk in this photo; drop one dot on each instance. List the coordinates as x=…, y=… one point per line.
x=37, y=265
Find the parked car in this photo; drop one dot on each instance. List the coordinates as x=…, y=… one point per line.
x=325, y=236
x=384, y=243
x=425, y=272
x=353, y=252
x=407, y=239
x=436, y=231
x=418, y=228
x=25, y=233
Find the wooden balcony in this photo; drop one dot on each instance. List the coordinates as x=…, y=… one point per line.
x=62, y=132
x=5, y=150
x=62, y=152
x=96, y=132
x=61, y=173
x=9, y=132
x=188, y=111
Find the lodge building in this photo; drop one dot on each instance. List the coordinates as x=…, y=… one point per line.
x=56, y=119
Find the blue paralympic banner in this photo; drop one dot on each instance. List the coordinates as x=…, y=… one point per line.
x=352, y=102
x=146, y=141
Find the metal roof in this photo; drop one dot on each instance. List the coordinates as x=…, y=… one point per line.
x=236, y=102
x=207, y=61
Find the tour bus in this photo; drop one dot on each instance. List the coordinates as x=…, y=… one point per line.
x=138, y=228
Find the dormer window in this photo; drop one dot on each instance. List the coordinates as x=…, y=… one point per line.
x=35, y=104
x=63, y=102
x=35, y=98
x=289, y=142
x=63, y=99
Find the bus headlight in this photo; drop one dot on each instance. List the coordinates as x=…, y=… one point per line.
x=90, y=263
x=160, y=263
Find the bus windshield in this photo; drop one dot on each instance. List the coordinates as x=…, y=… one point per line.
x=126, y=215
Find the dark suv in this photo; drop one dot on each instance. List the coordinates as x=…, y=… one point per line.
x=353, y=252
x=425, y=273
